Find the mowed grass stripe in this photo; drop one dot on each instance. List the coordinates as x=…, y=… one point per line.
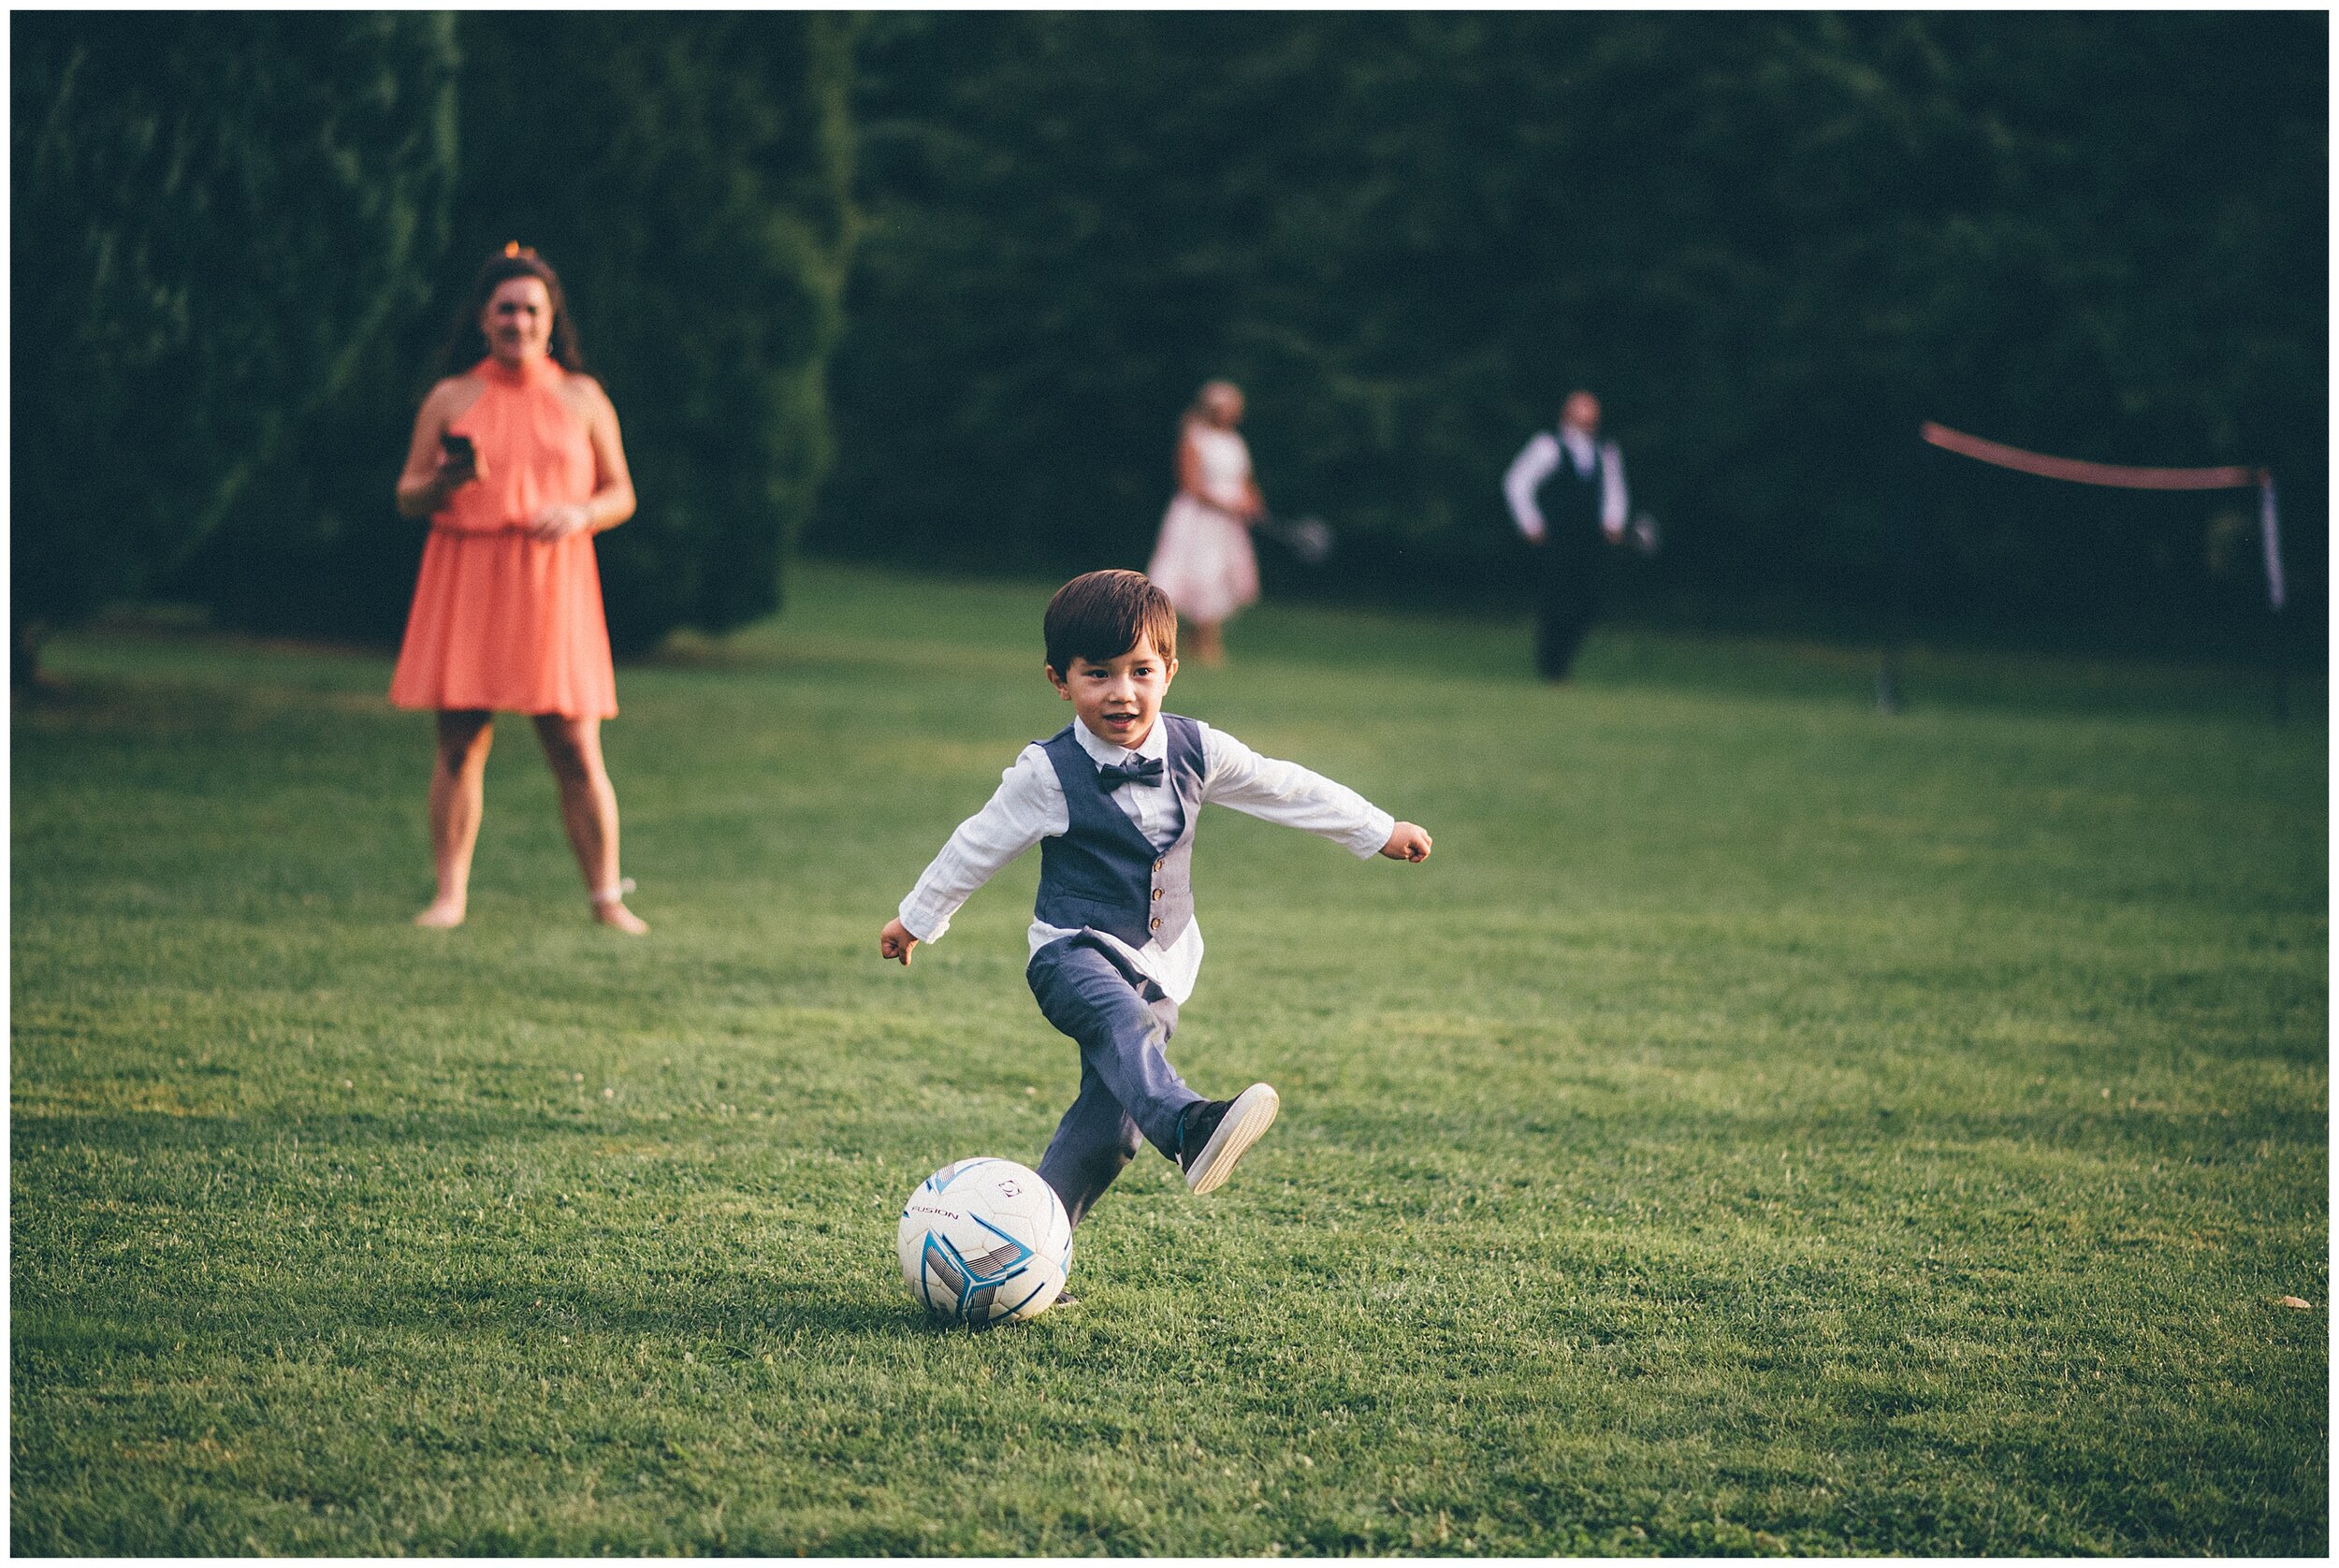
x=1762, y=1125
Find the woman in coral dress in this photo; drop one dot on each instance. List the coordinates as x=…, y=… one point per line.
x=1203, y=558
x=517, y=463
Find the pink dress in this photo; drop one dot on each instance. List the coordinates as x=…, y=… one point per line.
x=502, y=619
x=1203, y=558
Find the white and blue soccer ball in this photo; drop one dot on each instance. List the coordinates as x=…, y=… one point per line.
x=984, y=1241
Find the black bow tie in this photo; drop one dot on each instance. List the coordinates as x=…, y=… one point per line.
x=1111, y=776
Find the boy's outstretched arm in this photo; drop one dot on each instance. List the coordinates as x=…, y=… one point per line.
x=1286, y=792
x=1028, y=807
x=1406, y=842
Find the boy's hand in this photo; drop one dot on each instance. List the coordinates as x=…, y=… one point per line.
x=1406, y=842
x=896, y=941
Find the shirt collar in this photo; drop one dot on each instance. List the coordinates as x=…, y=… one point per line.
x=1100, y=751
x=1580, y=445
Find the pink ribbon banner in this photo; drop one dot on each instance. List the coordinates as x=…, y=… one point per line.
x=2080, y=471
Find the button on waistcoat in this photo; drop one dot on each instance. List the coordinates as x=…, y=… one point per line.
x=1102, y=871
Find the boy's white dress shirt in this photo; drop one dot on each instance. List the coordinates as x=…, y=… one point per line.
x=1028, y=805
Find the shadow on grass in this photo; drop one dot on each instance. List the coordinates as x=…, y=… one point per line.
x=146, y=1133
x=734, y=1283
x=716, y=1326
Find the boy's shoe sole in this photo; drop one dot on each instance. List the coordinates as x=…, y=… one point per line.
x=1252, y=1113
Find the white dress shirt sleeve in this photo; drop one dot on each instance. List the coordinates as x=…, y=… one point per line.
x=1026, y=807
x=1290, y=796
x=1612, y=502
x=1526, y=474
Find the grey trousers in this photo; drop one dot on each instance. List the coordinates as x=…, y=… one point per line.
x=1121, y=1021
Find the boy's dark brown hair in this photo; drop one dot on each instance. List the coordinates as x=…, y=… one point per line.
x=1101, y=615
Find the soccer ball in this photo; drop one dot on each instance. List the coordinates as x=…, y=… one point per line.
x=984, y=1241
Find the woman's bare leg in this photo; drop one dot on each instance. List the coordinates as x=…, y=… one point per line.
x=1209, y=648
x=458, y=797
x=588, y=809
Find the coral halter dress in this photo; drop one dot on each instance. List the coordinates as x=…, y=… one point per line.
x=500, y=619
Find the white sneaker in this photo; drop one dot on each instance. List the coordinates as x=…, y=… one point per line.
x=1218, y=1132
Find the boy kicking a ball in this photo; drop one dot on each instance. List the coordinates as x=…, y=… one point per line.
x=1111, y=800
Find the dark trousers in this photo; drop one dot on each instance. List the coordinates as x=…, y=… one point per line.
x=1122, y=1022
x=1568, y=597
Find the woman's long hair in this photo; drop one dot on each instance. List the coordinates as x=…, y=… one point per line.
x=468, y=346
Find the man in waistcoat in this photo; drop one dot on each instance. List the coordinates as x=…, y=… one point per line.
x=1112, y=800
x=1566, y=493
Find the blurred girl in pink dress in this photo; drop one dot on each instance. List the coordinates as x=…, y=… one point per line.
x=1203, y=559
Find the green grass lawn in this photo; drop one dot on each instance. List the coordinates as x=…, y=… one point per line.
x=1762, y=1126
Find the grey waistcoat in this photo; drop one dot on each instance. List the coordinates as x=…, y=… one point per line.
x=1102, y=873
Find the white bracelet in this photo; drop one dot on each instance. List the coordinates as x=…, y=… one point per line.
x=615, y=894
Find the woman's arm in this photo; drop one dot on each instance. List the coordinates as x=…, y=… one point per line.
x=430, y=476
x=1190, y=466
x=613, y=482
x=612, y=500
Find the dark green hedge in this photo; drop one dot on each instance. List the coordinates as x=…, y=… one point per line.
x=690, y=177
x=216, y=223
x=240, y=240
x=1772, y=242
